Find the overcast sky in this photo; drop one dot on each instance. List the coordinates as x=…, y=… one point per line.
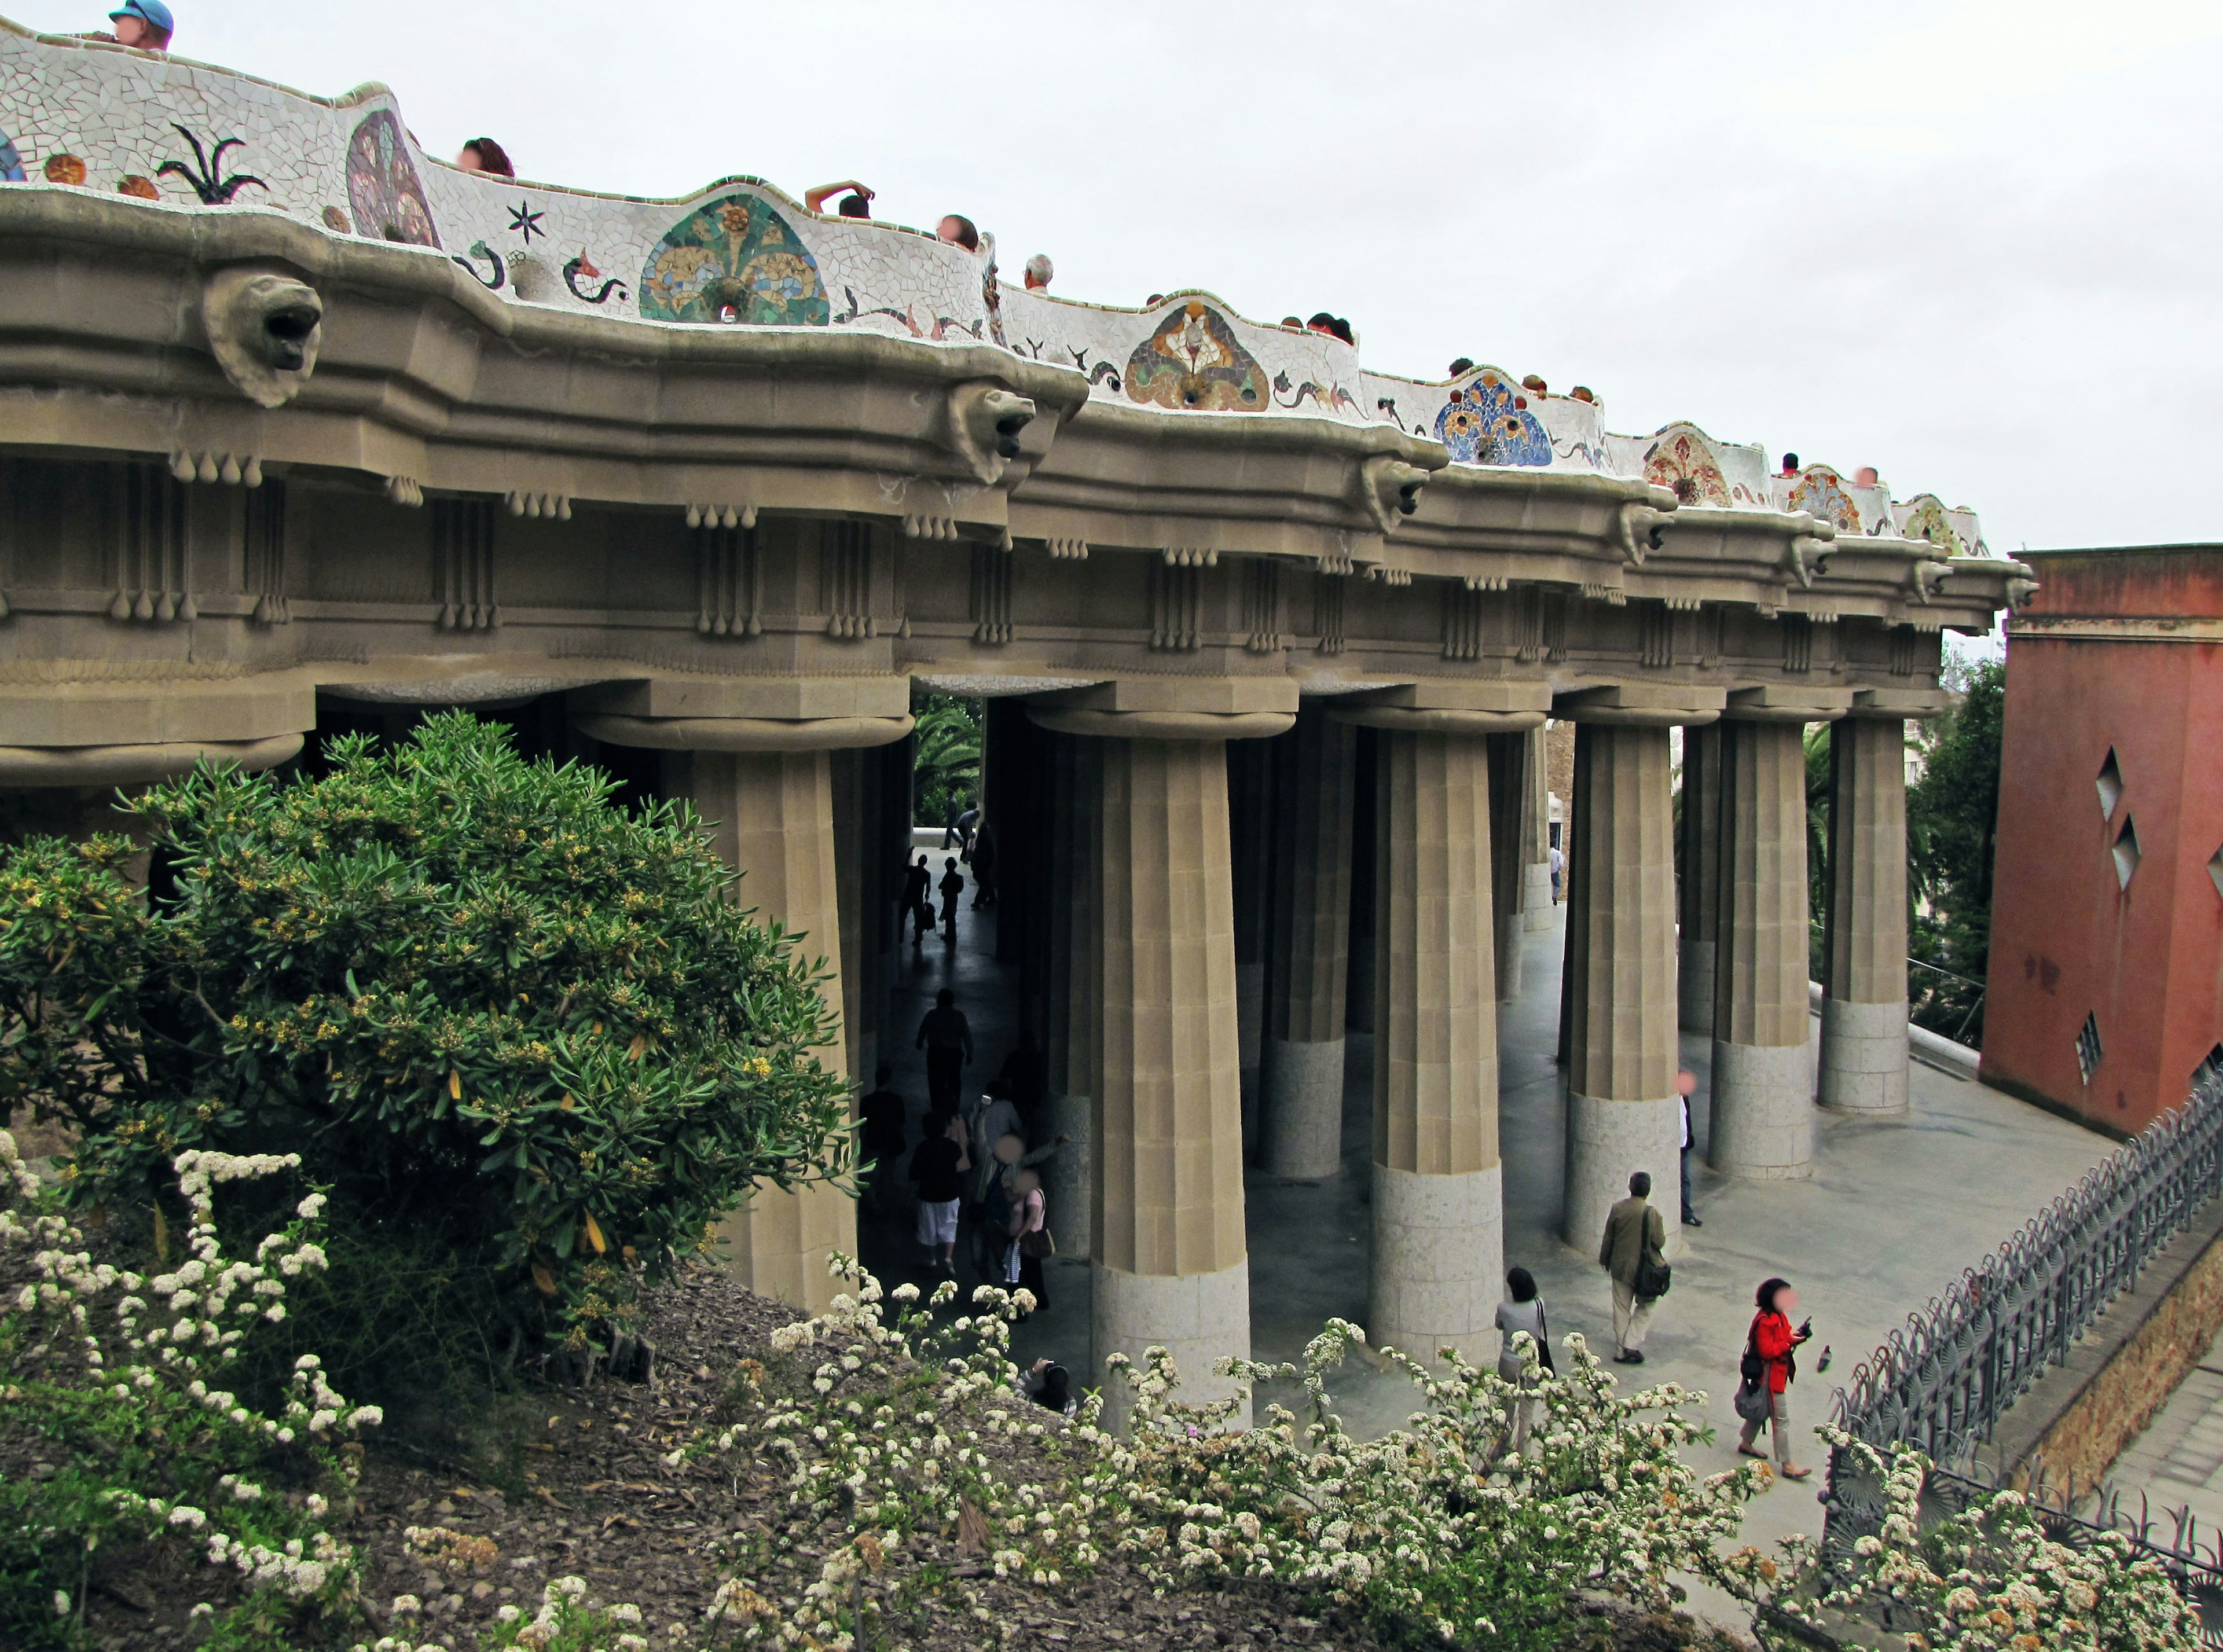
x=1976, y=245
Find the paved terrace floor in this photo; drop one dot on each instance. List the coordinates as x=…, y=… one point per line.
x=1891, y=1214
x=2178, y=1463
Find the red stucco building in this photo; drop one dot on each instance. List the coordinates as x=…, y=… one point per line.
x=2106, y=994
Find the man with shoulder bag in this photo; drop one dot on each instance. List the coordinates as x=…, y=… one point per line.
x=1633, y=1254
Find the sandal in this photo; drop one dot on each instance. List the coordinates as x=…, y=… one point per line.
x=1790, y=1473
x=1747, y=1451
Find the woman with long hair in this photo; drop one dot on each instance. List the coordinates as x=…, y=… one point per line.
x=1771, y=1365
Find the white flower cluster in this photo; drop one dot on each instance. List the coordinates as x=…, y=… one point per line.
x=165, y=1351
x=1989, y=1578
x=567, y=1615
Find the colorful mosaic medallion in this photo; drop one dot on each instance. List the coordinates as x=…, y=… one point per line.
x=1489, y=423
x=382, y=184
x=1682, y=461
x=1820, y=491
x=1926, y=520
x=1194, y=360
x=734, y=259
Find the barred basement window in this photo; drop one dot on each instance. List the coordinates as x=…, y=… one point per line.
x=2111, y=786
x=2126, y=851
x=2087, y=1047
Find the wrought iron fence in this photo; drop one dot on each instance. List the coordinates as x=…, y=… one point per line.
x=1942, y=1383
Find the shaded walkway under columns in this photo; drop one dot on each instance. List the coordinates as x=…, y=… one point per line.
x=1894, y=1211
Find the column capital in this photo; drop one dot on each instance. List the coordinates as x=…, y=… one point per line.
x=134, y=765
x=1899, y=704
x=1501, y=707
x=1779, y=703
x=744, y=733
x=1641, y=705
x=1173, y=708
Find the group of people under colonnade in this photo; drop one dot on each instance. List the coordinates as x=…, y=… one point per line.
x=1126, y=904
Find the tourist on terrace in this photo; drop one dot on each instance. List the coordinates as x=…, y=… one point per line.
x=938, y=1168
x=1633, y=1253
x=1866, y=477
x=1774, y=1345
x=1523, y=1310
x=1685, y=1082
x=484, y=154
x=1558, y=864
x=146, y=24
x=1026, y=1225
x=1039, y=270
x=1791, y=464
x=953, y=885
x=1463, y=364
x=947, y=1038
x=857, y=204
x=1333, y=326
x=959, y=231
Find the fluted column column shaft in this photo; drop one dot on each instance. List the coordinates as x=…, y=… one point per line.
x=1762, y=1114
x=1697, y=865
x=1509, y=816
x=1536, y=903
x=1864, y=955
x=1076, y=837
x=1623, y=1113
x=772, y=820
x=1170, y=1260
x=1315, y=780
x=1249, y=810
x=1438, y=1206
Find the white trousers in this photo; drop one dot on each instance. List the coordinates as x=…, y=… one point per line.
x=1631, y=1318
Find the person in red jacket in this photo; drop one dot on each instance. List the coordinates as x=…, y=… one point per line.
x=1775, y=1344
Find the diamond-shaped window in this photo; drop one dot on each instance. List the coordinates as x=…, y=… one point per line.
x=2111, y=786
x=2126, y=851
x=2087, y=1047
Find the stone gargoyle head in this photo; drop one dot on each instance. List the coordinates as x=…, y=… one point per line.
x=984, y=422
x=264, y=329
x=1390, y=488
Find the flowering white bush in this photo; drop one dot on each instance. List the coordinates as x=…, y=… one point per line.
x=1988, y=1579
x=118, y=1375
x=567, y=1622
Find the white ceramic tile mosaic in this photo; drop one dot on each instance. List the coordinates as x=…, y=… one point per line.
x=75, y=114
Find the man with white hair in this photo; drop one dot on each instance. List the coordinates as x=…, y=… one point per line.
x=1039, y=271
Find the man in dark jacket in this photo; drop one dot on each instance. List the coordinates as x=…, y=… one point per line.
x=1635, y=1237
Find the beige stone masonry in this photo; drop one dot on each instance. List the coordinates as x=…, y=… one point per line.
x=772, y=815
x=1622, y=1115
x=1698, y=885
x=1315, y=780
x=1763, y=1111
x=1076, y=840
x=1169, y=1247
x=1864, y=955
x=1435, y=1043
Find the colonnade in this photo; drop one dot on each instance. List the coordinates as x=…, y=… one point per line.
x=1123, y=912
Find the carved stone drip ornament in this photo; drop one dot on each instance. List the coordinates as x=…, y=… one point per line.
x=264, y=329
x=984, y=422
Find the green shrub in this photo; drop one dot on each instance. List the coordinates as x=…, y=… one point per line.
x=483, y=1004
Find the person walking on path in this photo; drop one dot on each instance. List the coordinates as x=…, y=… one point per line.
x=1774, y=1345
x=947, y=1038
x=1635, y=1246
x=984, y=866
x=953, y=885
x=1685, y=1082
x=1523, y=1312
x=917, y=901
x=938, y=1168
x=1558, y=864
x=1026, y=1226
x=882, y=1137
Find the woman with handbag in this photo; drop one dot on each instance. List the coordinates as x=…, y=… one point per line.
x=1029, y=1238
x=1525, y=1312
x=1769, y=1368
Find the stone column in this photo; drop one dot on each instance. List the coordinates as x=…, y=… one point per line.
x=1864, y=957
x=1250, y=808
x=773, y=818
x=1076, y=837
x=1509, y=814
x=1622, y=1114
x=854, y=840
x=1439, y=1205
x=1537, y=909
x=1172, y=1268
x=1315, y=773
x=1763, y=1090
x=1697, y=866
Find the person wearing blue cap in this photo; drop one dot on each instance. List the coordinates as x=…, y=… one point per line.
x=146, y=24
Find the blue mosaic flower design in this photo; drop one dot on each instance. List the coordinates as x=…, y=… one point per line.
x=1489, y=423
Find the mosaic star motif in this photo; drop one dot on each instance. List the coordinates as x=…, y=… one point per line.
x=526, y=221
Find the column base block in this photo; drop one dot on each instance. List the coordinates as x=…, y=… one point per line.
x=1763, y=1111
x=1068, y=1177
x=1438, y=1262
x=1199, y=1318
x=1608, y=1142
x=1695, y=986
x=1537, y=907
x=1864, y=1058
x=1302, y=1129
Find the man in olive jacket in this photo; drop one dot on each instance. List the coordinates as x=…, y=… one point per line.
x=1635, y=1234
